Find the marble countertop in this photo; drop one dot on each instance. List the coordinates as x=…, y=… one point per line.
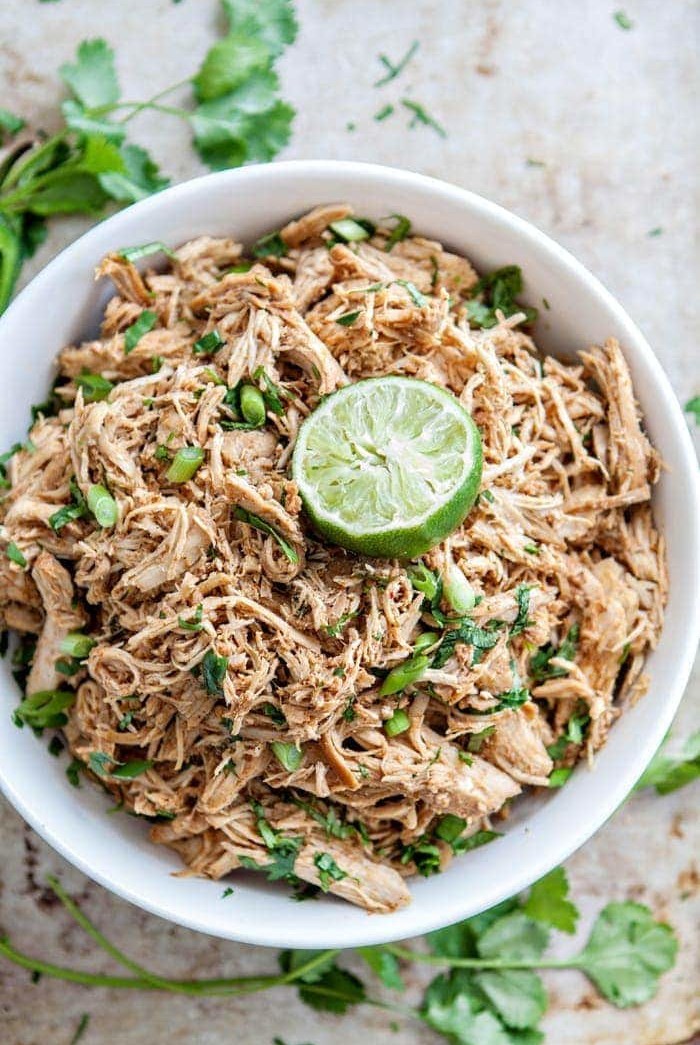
x=585, y=129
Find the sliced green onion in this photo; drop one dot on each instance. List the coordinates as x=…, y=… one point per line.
x=208, y=344
x=102, y=505
x=424, y=580
x=398, y=723
x=457, y=590
x=425, y=641
x=15, y=555
x=404, y=675
x=252, y=405
x=133, y=334
x=288, y=755
x=134, y=253
x=399, y=232
x=185, y=463
x=94, y=386
x=77, y=645
x=349, y=230
x=559, y=777
x=134, y=768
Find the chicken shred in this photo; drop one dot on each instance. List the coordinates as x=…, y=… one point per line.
x=237, y=655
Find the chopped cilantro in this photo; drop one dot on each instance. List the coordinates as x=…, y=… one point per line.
x=288, y=755
x=194, y=623
x=328, y=870
x=498, y=291
x=213, y=670
x=270, y=246
x=348, y=318
x=275, y=714
x=540, y=667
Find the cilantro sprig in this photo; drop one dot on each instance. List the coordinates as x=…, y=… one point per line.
x=236, y=117
x=490, y=989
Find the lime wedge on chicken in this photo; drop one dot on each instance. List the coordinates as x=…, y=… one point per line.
x=388, y=466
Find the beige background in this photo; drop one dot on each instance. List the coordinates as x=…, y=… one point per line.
x=611, y=117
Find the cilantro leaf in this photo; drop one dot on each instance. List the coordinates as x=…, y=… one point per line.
x=548, y=903
x=228, y=64
x=498, y=290
x=517, y=995
x=384, y=965
x=667, y=774
x=9, y=123
x=214, y=672
x=693, y=407
x=93, y=78
x=328, y=870
x=335, y=991
x=514, y=936
x=627, y=952
x=273, y=23
x=540, y=667
x=140, y=177
x=267, y=133
x=454, y=1007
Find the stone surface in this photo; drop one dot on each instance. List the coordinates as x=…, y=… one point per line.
x=609, y=119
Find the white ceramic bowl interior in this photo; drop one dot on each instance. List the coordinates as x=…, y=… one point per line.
x=64, y=304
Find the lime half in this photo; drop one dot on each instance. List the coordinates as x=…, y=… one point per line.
x=388, y=466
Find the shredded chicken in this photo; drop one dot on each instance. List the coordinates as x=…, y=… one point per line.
x=237, y=659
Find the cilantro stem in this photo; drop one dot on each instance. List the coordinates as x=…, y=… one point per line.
x=92, y=931
x=208, y=988
x=476, y=963
x=139, y=106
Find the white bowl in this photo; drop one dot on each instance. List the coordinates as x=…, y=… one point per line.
x=64, y=304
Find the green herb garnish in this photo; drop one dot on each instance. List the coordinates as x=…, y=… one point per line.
x=15, y=555
x=213, y=669
x=194, y=623
x=422, y=116
x=133, y=334
x=328, y=870
x=208, y=344
x=259, y=524
x=289, y=756
x=94, y=386
x=394, y=69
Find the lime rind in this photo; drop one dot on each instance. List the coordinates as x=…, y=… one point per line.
x=388, y=466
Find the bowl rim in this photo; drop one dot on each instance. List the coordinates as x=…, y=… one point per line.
x=419, y=918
